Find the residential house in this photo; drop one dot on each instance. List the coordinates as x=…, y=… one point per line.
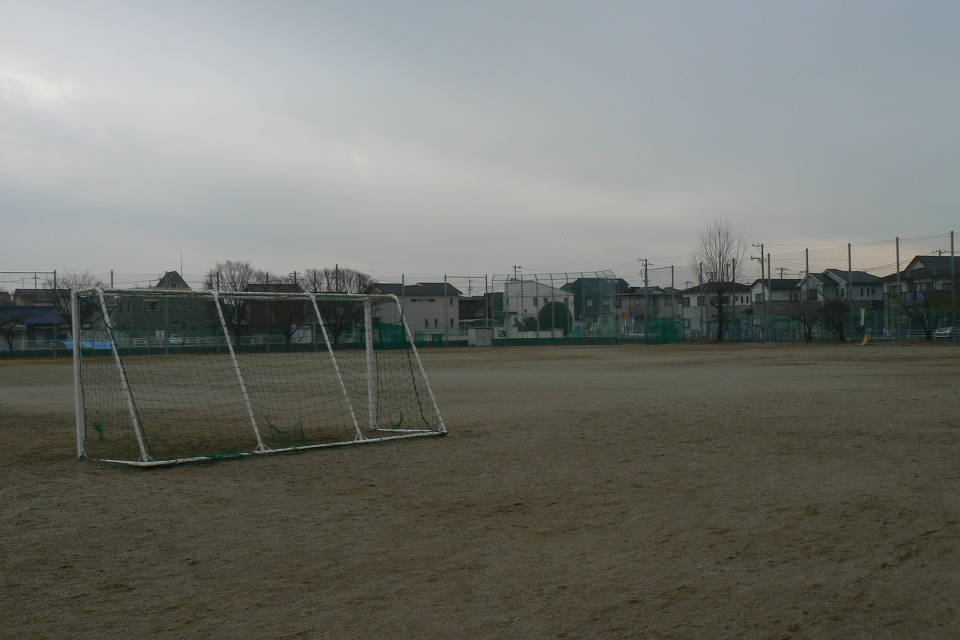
x=776, y=303
x=41, y=297
x=700, y=311
x=865, y=295
x=26, y=326
x=431, y=309
x=527, y=304
x=162, y=317
x=927, y=294
x=597, y=303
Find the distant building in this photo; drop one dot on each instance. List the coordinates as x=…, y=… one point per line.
x=39, y=297
x=171, y=280
x=430, y=308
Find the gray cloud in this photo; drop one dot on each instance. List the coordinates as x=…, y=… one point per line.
x=464, y=138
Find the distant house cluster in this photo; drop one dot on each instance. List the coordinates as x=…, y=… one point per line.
x=920, y=298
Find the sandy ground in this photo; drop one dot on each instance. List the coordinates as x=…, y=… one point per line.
x=583, y=492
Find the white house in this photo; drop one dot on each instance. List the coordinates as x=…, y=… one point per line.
x=523, y=299
x=700, y=316
x=866, y=288
x=430, y=308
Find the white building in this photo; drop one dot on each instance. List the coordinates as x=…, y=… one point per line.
x=525, y=298
x=432, y=309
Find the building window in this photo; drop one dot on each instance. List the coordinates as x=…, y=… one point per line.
x=451, y=323
x=534, y=301
x=426, y=323
x=434, y=323
x=758, y=298
x=151, y=305
x=451, y=301
x=686, y=301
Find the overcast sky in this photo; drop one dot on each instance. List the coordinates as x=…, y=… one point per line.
x=467, y=137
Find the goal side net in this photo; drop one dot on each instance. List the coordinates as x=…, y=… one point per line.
x=167, y=376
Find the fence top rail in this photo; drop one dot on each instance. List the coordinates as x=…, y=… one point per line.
x=200, y=293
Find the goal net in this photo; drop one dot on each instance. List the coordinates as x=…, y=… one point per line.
x=166, y=376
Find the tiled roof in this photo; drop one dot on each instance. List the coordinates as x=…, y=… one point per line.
x=419, y=289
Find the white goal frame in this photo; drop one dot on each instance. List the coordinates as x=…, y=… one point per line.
x=146, y=460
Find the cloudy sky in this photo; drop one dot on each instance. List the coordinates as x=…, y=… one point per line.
x=467, y=137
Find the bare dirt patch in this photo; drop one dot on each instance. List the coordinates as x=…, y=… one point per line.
x=665, y=492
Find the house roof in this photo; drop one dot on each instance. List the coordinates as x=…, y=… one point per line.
x=419, y=289
x=930, y=266
x=779, y=284
x=29, y=315
x=4, y=297
x=597, y=286
x=273, y=287
x=857, y=277
x=172, y=280
x=714, y=287
x=39, y=296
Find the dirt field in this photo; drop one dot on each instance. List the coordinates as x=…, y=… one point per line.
x=583, y=492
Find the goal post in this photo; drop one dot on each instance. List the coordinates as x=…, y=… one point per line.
x=168, y=376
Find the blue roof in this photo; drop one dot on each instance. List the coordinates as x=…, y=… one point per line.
x=31, y=315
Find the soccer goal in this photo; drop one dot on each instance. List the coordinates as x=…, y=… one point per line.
x=169, y=376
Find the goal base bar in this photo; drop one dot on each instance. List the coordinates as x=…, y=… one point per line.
x=245, y=454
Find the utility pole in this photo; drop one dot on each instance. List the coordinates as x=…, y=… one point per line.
x=294, y=277
x=807, y=254
x=781, y=270
x=515, y=267
x=953, y=286
x=646, y=294
x=899, y=292
x=850, y=290
x=762, y=274
x=701, y=302
x=673, y=289
x=733, y=293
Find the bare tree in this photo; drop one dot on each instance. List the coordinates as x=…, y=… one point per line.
x=80, y=281
x=807, y=313
x=11, y=322
x=719, y=249
x=926, y=308
x=834, y=314
x=338, y=315
x=232, y=276
x=335, y=280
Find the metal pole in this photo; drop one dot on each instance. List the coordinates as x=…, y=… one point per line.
x=701, y=302
x=733, y=294
x=446, y=303
x=442, y=428
x=124, y=382
x=238, y=373
x=953, y=286
x=371, y=373
x=78, y=407
x=336, y=366
x=646, y=299
x=486, y=302
x=850, y=290
x=766, y=298
x=807, y=254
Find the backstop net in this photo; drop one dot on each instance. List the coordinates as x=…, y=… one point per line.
x=166, y=376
